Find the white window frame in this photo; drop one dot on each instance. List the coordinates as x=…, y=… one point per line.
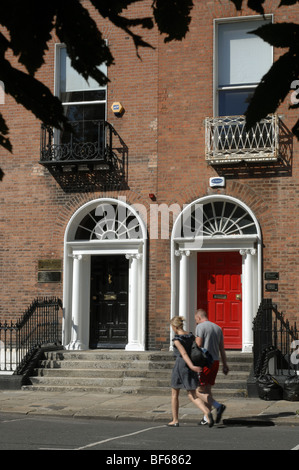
x=216, y=88
x=58, y=48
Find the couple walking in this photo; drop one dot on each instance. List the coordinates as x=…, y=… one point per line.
x=196, y=380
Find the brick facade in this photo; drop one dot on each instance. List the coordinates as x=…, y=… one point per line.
x=166, y=96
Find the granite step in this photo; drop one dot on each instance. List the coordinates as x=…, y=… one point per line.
x=126, y=372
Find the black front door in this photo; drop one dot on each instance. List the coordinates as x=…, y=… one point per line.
x=109, y=301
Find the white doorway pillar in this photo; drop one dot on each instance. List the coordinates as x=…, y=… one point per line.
x=184, y=295
x=248, y=299
x=77, y=317
x=134, y=343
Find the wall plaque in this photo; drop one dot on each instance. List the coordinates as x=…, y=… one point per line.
x=272, y=287
x=271, y=276
x=49, y=264
x=49, y=276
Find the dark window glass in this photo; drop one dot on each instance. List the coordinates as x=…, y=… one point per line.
x=87, y=123
x=234, y=102
x=86, y=95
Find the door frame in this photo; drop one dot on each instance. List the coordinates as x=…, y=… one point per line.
x=184, y=269
x=76, y=286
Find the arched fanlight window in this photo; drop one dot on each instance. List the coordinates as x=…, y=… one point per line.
x=226, y=218
x=109, y=221
x=218, y=217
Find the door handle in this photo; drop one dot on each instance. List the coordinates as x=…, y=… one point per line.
x=238, y=297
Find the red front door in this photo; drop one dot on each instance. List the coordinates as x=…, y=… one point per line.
x=219, y=293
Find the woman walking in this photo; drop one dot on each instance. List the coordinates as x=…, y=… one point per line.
x=184, y=373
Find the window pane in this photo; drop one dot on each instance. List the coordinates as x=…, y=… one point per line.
x=89, y=95
x=242, y=58
x=85, y=120
x=234, y=102
x=84, y=131
x=74, y=112
x=94, y=111
x=71, y=80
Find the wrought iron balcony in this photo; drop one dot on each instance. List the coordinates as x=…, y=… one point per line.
x=93, y=145
x=228, y=141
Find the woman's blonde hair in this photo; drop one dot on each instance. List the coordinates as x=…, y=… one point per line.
x=177, y=322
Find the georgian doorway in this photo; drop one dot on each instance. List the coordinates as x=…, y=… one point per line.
x=105, y=277
x=206, y=229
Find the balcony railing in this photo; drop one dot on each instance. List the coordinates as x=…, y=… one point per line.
x=94, y=145
x=227, y=140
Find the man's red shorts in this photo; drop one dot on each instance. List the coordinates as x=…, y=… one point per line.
x=208, y=375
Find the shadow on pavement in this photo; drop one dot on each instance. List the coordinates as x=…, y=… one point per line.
x=265, y=420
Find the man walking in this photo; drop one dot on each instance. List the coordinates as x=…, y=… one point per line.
x=210, y=336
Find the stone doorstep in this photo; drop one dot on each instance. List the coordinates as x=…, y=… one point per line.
x=126, y=372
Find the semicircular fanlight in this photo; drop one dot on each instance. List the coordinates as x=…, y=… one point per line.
x=109, y=222
x=217, y=218
x=225, y=218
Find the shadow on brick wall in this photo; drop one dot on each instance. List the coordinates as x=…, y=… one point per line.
x=90, y=180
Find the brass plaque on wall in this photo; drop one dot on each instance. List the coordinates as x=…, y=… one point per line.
x=49, y=264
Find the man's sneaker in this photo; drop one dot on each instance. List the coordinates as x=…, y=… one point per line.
x=220, y=411
x=203, y=422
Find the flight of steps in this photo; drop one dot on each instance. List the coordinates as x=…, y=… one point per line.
x=116, y=371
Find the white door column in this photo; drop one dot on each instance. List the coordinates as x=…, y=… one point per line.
x=76, y=329
x=248, y=301
x=184, y=285
x=134, y=333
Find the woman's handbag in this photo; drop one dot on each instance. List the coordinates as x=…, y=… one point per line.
x=200, y=356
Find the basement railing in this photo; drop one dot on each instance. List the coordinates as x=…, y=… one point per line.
x=227, y=140
x=39, y=326
x=275, y=342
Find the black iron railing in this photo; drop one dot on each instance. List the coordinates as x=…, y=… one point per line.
x=39, y=326
x=275, y=342
x=95, y=145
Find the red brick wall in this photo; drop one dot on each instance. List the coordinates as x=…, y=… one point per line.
x=166, y=97
x=185, y=99
x=35, y=208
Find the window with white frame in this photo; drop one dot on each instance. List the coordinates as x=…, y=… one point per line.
x=241, y=61
x=84, y=101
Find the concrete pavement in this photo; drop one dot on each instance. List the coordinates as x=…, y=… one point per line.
x=242, y=411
